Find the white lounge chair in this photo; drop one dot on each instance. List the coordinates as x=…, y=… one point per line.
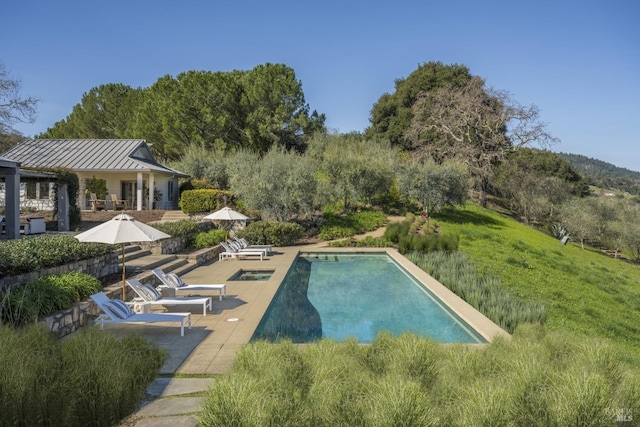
x=233, y=252
x=117, y=311
x=243, y=244
x=173, y=281
x=149, y=294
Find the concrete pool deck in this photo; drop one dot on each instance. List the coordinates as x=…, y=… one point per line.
x=210, y=346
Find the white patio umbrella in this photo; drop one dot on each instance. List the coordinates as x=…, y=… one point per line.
x=226, y=214
x=121, y=229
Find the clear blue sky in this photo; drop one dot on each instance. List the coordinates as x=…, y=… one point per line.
x=577, y=60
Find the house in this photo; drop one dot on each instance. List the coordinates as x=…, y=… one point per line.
x=125, y=168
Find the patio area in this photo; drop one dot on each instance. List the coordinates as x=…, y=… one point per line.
x=209, y=347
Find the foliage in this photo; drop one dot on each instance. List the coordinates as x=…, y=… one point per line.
x=197, y=201
x=394, y=232
x=485, y=293
x=427, y=243
x=46, y=295
x=97, y=186
x=207, y=168
x=272, y=233
x=105, y=112
x=25, y=255
x=209, y=238
x=585, y=292
x=391, y=114
x=366, y=242
x=280, y=184
x=184, y=227
x=351, y=169
x=433, y=186
x=474, y=125
x=544, y=164
x=14, y=108
x=344, y=225
x=68, y=177
x=534, y=379
x=605, y=175
x=91, y=378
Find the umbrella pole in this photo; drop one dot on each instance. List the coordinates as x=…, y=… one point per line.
x=123, y=276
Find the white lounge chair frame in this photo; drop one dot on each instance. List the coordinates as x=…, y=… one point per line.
x=173, y=281
x=117, y=311
x=151, y=295
x=242, y=242
x=231, y=252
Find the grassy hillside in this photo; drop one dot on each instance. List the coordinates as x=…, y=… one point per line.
x=585, y=292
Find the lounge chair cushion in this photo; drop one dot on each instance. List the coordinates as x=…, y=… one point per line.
x=174, y=280
x=119, y=308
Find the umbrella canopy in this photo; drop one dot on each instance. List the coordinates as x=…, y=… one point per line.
x=226, y=214
x=121, y=229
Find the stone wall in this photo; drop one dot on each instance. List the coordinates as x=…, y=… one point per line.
x=98, y=267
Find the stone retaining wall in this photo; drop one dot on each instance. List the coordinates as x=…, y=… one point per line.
x=98, y=267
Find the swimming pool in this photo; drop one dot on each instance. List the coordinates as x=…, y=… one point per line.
x=338, y=296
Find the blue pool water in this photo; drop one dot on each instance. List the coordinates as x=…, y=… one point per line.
x=339, y=296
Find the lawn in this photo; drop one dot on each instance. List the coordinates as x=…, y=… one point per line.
x=585, y=291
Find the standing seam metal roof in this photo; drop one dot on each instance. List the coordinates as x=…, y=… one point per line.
x=105, y=155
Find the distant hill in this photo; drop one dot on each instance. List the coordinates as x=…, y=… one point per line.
x=605, y=175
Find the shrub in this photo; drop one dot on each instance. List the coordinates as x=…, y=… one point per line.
x=337, y=226
x=46, y=295
x=272, y=233
x=427, y=243
x=209, y=238
x=25, y=255
x=394, y=231
x=194, y=201
x=367, y=242
x=91, y=378
x=184, y=227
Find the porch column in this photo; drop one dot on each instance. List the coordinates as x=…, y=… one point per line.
x=63, y=207
x=152, y=185
x=139, y=192
x=12, y=203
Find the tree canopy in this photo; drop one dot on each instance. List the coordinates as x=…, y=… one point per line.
x=391, y=116
x=254, y=109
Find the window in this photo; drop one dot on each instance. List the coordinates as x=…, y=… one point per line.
x=32, y=190
x=171, y=190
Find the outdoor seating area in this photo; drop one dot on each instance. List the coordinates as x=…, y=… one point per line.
x=113, y=203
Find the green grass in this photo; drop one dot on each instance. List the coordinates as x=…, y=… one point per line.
x=584, y=291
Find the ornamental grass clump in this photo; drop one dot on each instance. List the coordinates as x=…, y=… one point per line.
x=91, y=378
x=33, y=300
x=534, y=379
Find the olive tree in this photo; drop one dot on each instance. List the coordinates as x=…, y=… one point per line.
x=351, y=168
x=433, y=186
x=281, y=185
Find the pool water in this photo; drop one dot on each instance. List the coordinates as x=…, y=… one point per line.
x=340, y=296
x=258, y=275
